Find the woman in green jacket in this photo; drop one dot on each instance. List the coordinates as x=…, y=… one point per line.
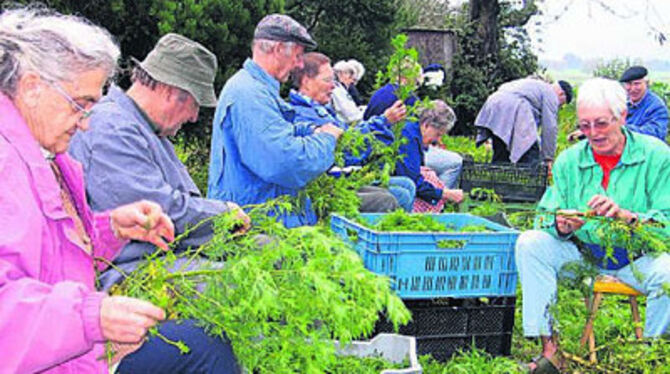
x=612, y=173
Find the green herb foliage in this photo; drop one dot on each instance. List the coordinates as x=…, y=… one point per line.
x=332, y=194
x=366, y=365
x=403, y=221
x=281, y=297
x=467, y=146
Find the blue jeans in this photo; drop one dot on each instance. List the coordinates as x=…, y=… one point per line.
x=208, y=354
x=404, y=190
x=446, y=164
x=539, y=258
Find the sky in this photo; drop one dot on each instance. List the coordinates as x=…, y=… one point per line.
x=587, y=30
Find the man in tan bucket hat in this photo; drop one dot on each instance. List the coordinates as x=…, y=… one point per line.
x=127, y=156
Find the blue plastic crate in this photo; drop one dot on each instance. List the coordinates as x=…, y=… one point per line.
x=475, y=264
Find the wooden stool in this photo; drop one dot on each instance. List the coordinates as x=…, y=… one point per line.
x=609, y=285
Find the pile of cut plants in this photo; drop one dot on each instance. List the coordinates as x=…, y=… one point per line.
x=281, y=298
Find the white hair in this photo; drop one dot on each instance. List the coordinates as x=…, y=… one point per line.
x=266, y=46
x=602, y=92
x=438, y=115
x=57, y=47
x=344, y=67
x=359, y=69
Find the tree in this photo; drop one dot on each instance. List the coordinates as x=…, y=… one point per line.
x=493, y=48
x=346, y=29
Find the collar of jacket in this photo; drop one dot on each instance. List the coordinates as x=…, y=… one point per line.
x=16, y=132
x=632, y=153
x=642, y=100
x=324, y=111
x=261, y=75
x=118, y=96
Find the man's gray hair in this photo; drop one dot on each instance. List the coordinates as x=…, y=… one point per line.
x=266, y=46
x=57, y=47
x=438, y=115
x=602, y=92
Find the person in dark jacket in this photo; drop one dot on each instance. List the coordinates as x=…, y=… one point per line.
x=433, y=123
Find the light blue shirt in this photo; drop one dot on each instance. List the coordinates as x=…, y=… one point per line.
x=258, y=153
x=124, y=161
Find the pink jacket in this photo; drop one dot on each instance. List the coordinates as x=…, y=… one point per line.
x=49, y=308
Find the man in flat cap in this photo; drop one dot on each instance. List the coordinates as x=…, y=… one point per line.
x=512, y=115
x=647, y=113
x=258, y=153
x=127, y=156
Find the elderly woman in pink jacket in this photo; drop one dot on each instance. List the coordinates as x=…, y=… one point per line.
x=52, y=319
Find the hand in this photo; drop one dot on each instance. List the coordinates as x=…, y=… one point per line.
x=396, y=112
x=331, y=129
x=575, y=136
x=455, y=196
x=240, y=215
x=143, y=220
x=566, y=224
x=127, y=320
x=549, y=164
x=604, y=206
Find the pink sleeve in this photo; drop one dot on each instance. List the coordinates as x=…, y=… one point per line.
x=106, y=244
x=41, y=324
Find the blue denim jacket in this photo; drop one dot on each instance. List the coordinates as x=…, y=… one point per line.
x=649, y=116
x=256, y=153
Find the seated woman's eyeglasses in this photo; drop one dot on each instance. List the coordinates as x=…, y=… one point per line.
x=85, y=113
x=598, y=124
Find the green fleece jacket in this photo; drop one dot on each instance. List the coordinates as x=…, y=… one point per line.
x=640, y=183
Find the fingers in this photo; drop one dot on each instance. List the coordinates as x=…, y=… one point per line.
x=127, y=320
x=396, y=112
x=241, y=216
x=603, y=206
x=144, y=220
x=455, y=196
x=164, y=227
x=567, y=225
x=146, y=309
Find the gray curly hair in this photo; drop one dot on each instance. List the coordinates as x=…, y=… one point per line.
x=58, y=47
x=438, y=115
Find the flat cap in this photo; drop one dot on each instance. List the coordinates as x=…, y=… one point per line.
x=433, y=67
x=283, y=28
x=180, y=62
x=633, y=73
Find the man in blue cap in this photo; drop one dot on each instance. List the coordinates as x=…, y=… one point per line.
x=647, y=113
x=258, y=153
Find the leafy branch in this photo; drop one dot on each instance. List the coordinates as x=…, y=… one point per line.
x=281, y=297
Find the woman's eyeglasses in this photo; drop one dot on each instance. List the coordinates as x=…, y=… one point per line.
x=598, y=124
x=85, y=113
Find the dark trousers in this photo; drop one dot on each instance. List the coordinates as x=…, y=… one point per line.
x=208, y=355
x=501, y=154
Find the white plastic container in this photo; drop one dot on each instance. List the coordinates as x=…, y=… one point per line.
x=392, y=347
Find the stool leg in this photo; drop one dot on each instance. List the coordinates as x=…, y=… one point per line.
x=588, y=328
x=636, y=317
x=593, y=309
